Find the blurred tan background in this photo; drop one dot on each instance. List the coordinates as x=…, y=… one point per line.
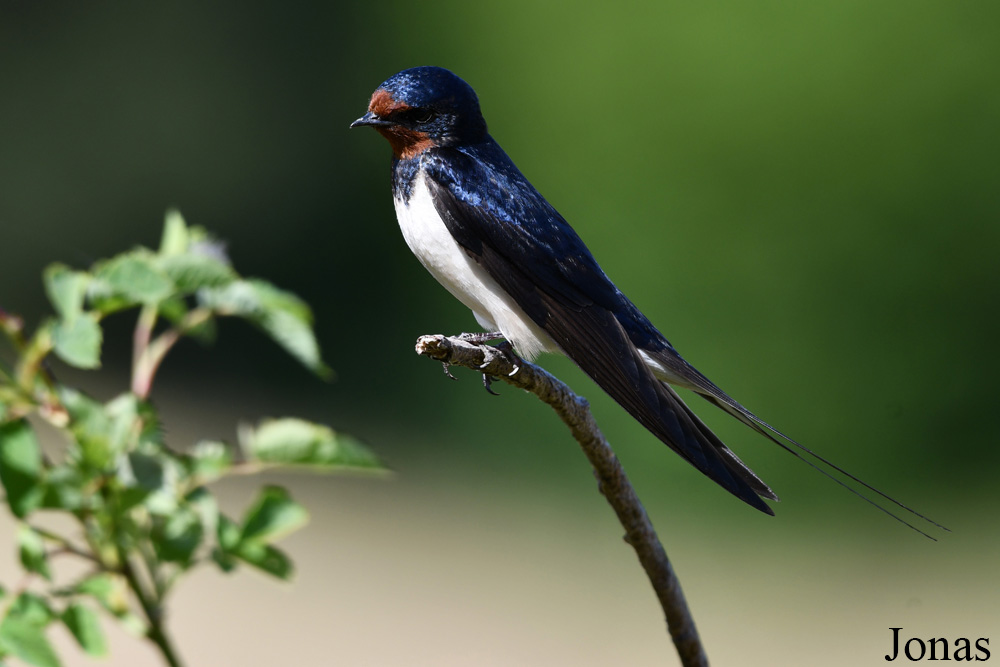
x=802, y=197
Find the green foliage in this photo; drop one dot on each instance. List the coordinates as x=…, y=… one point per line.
x=144, y=514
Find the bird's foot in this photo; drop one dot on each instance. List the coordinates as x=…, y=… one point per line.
x=488, y=382
x=480, y=337
x=504, y=347
x=507, y=350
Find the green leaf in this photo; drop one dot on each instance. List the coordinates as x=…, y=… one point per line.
x=288, y=320
x=83, y=624
x=282, y=315
x=292, y=441
x=123, y=416
x=110, y=591
x=273, y=515
x=178, y=536
x=202, y=503
x=20, y=467
x=192, y=271
x=32, y=552
x=228, y=536
x=100, y=587
x=63, y=486
x=237, y=298
x=90, y=425
x=66, y=289
x=132, y=277
x=27, y=641
x=175, y=234
x=152, y=478
x=77, y=340
x=267, y=558
x=209, y=460
x=31, y=608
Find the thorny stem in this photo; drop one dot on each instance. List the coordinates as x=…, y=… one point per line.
x=614, y=484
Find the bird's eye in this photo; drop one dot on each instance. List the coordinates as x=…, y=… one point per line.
x=422, y=116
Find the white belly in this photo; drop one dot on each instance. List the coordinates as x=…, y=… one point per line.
x=432, y=243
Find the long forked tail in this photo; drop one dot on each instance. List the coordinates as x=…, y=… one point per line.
x=728, y=404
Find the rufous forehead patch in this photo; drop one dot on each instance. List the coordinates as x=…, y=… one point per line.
x=383, y=104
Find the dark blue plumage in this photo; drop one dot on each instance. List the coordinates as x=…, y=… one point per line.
x=494, y=242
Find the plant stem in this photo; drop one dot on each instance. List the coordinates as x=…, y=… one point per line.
x=154, y=616
x=148, y=354
x=141, y=378
x=65, y=544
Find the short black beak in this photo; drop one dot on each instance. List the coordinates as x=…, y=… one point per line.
x=372, y=120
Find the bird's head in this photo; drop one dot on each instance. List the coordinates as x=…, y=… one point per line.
x=423, y=107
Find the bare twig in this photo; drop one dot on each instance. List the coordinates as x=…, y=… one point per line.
x=614, y=484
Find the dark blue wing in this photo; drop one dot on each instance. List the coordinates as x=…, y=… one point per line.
x=532, y=252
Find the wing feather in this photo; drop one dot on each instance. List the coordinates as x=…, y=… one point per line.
x=578, y=306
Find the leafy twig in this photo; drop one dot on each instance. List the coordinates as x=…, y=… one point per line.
x=614, y=484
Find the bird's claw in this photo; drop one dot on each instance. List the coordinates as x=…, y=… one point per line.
x=487, y=382
x=480, y=337
x=446, y=366
x=508, y=351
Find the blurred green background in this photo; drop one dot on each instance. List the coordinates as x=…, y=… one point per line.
x=803, y=196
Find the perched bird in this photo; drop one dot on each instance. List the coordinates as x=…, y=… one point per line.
x=488, y=236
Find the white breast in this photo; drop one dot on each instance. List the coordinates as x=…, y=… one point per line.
x=434, y=246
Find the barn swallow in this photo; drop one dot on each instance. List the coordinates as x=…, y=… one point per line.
x=488, y=236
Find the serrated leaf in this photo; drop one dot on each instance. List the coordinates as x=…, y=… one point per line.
x=86, y=628
x=274, y=299
x=288, y=320
x=237, y=298
x=298, y=339
x=27, y=641
x=267, y=558
x=77, y=340
x=273, y=515
x=31, y=550
x=285, y=317
x=292, y=441
x=175, y=234
x=193, y=271
x=133, y=277
x=20, y=467
x=66, y=289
